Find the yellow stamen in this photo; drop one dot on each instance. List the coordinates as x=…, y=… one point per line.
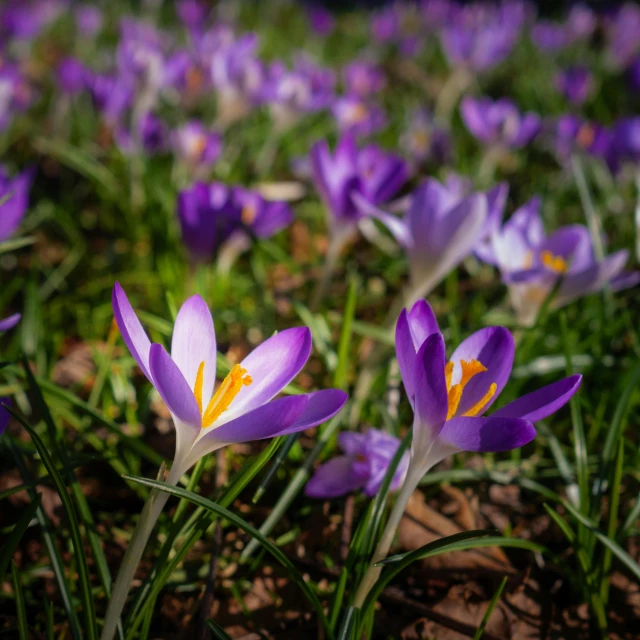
x=223, y=397
x=528, y=259
x=448, y=372
x=197, y=389
x=482, y=403
x=554, y=263
x=248, y=214
x=469, y=370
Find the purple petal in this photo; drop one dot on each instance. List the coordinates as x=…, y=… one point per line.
x=267, y=421
x=133, y=334
x=272, y=366
x=5, y=416
x=573, y=243
x=486, y=434
x=172, y=387
x=539, y=404
x=193, y=342
x=431, y=404
x=422, y=322
x=396, y=226
x=333, y=479
x=494, y=348
x=351, y=442
x=322, y=406
x=10, y=322
x=625, y=280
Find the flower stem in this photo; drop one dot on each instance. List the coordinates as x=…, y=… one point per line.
x=587, y=205
x=150, y=513
x=414, y=475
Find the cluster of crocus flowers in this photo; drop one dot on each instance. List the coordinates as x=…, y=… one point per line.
x=450, y=398
x=14, y=200
x=213, y=214
x=499, y=122
x=363, y=466
x=196, y=146
x=368, y=174
x=535, y=266
x=241, y=409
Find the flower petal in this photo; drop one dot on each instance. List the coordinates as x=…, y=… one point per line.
x=5, y=416
x=333, y=479
x=486, y=434
x=406, y=354
x=541, y=403
x=10, y=322
x=132, y=332
x=494, y=348
x=431, y=403
x=172, y=387
x=422, y=322
x=272, y=366
x=194, y=341
x=351, y=442
x=395, y=226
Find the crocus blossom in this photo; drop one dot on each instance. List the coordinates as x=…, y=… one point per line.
x=575, y=83
x=10, y=322
x=366, y=458
x=450, y=397
x=195, y=145
x=14, y=200
x=424, y=140
x=242, y=408
x=211, y=214
x=373, y=174
x=532, y=263
x=439, y=230
x=357, y=116
x=499, y=122
x=363, y=79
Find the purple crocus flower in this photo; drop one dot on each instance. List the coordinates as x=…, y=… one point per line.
x=320, y=19
x=627, y=139
x=10, y=322
x=72, y=76
x=357, y=116
x=14, y=200
x=575, y=83
x=238, y=76
x=364, y=465
x=242, y=408
x=550, y=36
x=192, y=13
x=385, y=25
x=5, y=416
x=425, y=141
x=88, y=20
x=532, y=263
x=633, y=74
x=16, y=93
x=307, y=88
x=364, y=79
x=195, y=145
x=24, y=20
x=622, y=35
x=499, y=122
x=112, y=95
x=369, y=172
x=581, y=22
x=449, y=398
x=573, y=134
x=440, y=229
x=478, y=38
x=211, y=214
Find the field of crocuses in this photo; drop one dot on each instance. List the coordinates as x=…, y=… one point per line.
x=319, y=323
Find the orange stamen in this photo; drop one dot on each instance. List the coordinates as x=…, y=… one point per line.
x=482, y=403
x=197, y=389
x=469, y=370
x=223, y=397
x=248, y=214
x=554, y=263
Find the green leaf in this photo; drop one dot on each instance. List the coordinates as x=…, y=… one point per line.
x=253, y=532
x=86, y=595
x=218, y=632
x=16, y=534
x=490, y=608
x=340, y=374
x=21, y=609
x=349, y=624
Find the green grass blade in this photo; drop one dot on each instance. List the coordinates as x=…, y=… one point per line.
x=290, y=440
x=465, y=540
x=252, y=531
x=296, y=485
x=218, y=632
x=21, y=609
x=86, y=595
x=633, y=515
x=16, y=534
x=52, y=550
x=492, y=605
x=349, y=624
x=340, y=374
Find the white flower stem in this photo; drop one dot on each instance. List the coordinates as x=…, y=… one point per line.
x=150, y=513
x=414, y=475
